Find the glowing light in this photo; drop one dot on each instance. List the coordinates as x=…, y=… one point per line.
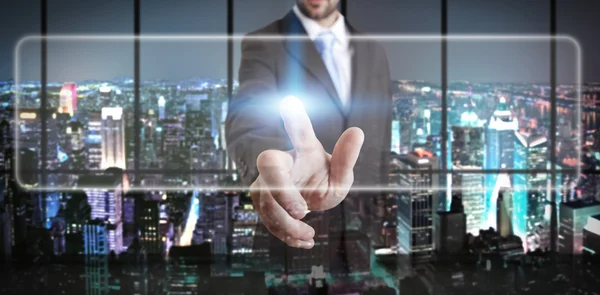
x=502, y=99
x=115, y=113
x=164, y=239
x=105, y=89
x=196, y=201
x=161, y=101
x=423, y=161
x=118, y=92
x=384, y=251
x=427, y=113
x=291, y=104
x=164, y=196
x=28, y=116
x=248, y=207
x=426, y=89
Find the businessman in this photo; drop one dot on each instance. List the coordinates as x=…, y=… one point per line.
x=311, y=119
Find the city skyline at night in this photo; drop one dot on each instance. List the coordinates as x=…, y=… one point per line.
x=117, y=178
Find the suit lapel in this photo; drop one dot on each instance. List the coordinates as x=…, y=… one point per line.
x=360, y=70
x=306, y=54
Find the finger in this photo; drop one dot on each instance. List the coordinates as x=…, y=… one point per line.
x=274, y=169
x=282, y=225
x=293, y=242
x=344, y=157
x=298, y=126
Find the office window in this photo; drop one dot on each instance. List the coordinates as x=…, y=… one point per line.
x=183, y=88
x=415, y=65
x=24, y=17
x=576, y=18
x=263, y=12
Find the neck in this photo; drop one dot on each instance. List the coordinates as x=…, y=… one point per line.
x=328, y=21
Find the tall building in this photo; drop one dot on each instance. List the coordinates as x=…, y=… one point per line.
x=171, y=147
x=93, y=140
x=77, y=157
x=504, y=215
x=214, y=221
x=573, y=218
x=471, y=188
x=188, y=268
x=96, y=258
x=591, y=239
x=105, y=96
x=416, y=204
x=104, y=195
x=499, y=150
x=531, y=189
x=161, y=108
x=467, y=153
x=68, y=99
x=149, y=226
x=451, y=229
x=245, y=222
x=29, y=130
x=113, y=138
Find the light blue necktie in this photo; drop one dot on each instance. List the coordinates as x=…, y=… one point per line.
x=324, y=43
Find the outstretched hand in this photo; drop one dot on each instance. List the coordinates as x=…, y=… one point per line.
x=291, y=183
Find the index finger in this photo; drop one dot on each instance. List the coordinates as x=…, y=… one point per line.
x=297, y=125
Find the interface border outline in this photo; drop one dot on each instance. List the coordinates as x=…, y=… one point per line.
x=241, y=37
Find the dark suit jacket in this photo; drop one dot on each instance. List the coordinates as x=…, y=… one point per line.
x=274, y=68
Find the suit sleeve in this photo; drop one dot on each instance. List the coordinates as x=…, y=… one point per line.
x=253, y=123
x=386, y=89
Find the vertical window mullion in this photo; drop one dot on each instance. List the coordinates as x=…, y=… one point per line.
x=553, y=115
x=43, y=105
x=444, y=86
x=136, y=100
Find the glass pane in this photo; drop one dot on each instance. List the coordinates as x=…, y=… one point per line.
x=263, y=13
x=575, y=18
x=184, y=87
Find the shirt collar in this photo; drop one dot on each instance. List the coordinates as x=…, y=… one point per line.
x=313, y=29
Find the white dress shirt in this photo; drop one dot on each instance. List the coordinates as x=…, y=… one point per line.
x=341, y=49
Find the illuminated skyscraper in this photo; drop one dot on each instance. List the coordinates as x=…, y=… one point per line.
x=467, y=153
x=68, y=99
x=96, y=258
x=215, y=221
x=573, y=218
x=75, y=139
x=29, y=130
x=245, y=222
x=149, y=223
x=416, y=204
x=113, y=138
x=172, y=141
x=499, y=151
x=531, y=189
x=104, y=194
x=395, y=137
x=93, y=140
x=161, y=108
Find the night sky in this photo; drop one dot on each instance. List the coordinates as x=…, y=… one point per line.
x=174, y=60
